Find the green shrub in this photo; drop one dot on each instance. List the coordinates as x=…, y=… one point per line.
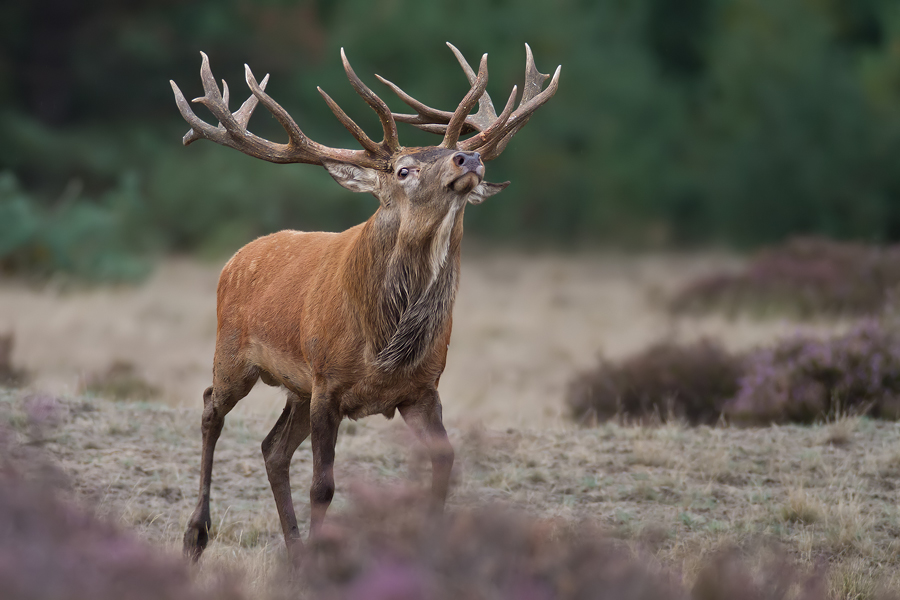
x=97, y=241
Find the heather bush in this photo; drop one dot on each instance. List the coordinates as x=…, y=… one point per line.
x=804, y=276
x=388, y=547
x=51, y=548
x=689, y=382
x=799, y=379
x=803, y=379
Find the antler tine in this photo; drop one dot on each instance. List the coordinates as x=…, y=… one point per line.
x=521, y=116
x=433, y=120
x=534, y=79
x=454, y=127
x=391, y=141
x=301, y=148
x=199, y=128
x=486, y=113
x=532, y=99
x=427, y=119
x=494, y=132
x=482, y=141
x=232, y=128
x=298, y=139
x=354, y=129
x=242, y=116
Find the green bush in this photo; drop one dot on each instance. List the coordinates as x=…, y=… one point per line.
x=80, y=238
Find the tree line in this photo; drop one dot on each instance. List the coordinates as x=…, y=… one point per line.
x=736, y=122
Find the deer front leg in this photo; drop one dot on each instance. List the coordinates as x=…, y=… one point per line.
x=424, y=418
x=324, y=421
x=218, y=400
x=278, y=448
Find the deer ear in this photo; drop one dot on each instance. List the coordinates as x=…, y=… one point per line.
x=485, y=190
x=353, y=177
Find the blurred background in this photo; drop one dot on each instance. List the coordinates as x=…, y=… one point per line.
x=702, y=228
x=704, y=122
x=683, y=138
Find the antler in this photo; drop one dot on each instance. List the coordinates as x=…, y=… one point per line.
x=494, y=131
x=232, y=128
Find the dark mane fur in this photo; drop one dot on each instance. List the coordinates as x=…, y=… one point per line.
x=417, y=317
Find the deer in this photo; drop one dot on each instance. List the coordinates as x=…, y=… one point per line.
x=355, y=323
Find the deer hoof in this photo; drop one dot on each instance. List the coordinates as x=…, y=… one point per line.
x=195, y=540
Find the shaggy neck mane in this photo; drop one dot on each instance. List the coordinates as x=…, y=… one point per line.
x=405, y=289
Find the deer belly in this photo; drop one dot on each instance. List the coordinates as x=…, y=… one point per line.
x=353, y=406
x=280, y=368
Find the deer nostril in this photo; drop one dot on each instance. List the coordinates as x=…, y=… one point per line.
x=459, y=159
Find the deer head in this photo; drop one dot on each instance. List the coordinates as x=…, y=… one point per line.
x=414, y=182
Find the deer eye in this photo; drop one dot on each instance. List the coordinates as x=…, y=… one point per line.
x=402, y=173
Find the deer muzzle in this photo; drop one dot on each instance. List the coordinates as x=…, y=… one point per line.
x=469, y=169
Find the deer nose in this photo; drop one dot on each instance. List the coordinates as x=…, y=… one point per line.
x=468, y=161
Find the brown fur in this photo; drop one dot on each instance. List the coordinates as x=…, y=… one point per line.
x=351, y=324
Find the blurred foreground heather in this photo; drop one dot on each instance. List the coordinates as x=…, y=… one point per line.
x=798, y=379
x=384, y=544
x=51, y=548
x=386, y=547
x=805, y=277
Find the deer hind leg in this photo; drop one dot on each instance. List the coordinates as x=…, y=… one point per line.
x=218, y=400
x=324, y=421
x=278, y=448
x=424, y=418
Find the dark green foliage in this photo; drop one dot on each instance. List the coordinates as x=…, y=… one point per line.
x=806, y=277
x=668, y=380
x=735, y=121
x=76, y=237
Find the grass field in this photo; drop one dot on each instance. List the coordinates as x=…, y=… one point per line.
x=675, y=495
x=827, y=494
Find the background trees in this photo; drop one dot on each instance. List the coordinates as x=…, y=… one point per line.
x=706, y=121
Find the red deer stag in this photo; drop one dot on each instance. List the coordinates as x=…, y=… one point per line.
x=354, y=323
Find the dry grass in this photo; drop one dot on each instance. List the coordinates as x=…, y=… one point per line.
x=674, y=496
x=522, y=326
x=673, y=493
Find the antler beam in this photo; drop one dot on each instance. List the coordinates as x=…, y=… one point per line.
x=494, y=131
x=232, y=128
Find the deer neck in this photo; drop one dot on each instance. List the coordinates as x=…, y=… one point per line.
x=402, y=280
